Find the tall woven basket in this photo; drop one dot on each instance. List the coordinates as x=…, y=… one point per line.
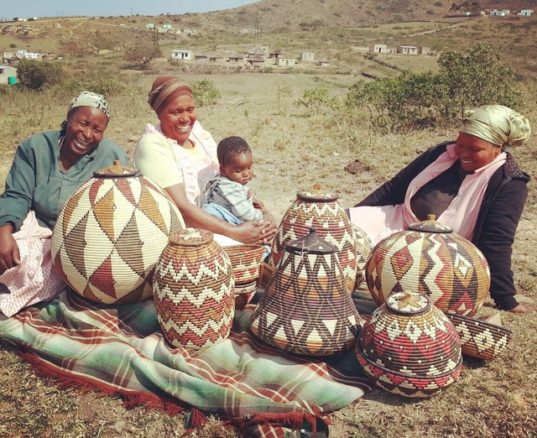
x=193, y=290
x=322, y=212
x=409, y=347
x=307, y=308
x=429, y=258
x=110, y=234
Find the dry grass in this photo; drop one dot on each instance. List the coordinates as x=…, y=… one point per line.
x=293, y=150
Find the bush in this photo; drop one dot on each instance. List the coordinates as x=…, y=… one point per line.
x=414, y=100
x=205, y=92
x=317, y=100
x=37, y=75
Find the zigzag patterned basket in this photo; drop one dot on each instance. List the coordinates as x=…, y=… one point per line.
x=322, y=212
x=193, y=290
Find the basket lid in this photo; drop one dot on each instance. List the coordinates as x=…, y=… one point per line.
x=116, y=170
x=310, y=243
x=431, y=225
x=408, y=303
x=190, y=237
x=316, y=195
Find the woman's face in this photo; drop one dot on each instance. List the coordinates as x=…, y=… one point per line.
x=474, y=152
x=85, y=129
x=177, y=118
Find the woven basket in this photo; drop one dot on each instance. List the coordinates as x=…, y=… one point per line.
x=409, y=346
x=307, y=308
x=429, y=258
x=245, y=261
x=193, y=290
x=244, y=293
x=481, y=339
x=110, y=234
x=323, y=213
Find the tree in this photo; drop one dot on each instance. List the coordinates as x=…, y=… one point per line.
x=36, y=75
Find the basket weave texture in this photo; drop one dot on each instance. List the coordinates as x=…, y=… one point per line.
x=193, y=290
x=109, y=236
x=410, y=347
x=307, y=308
x=323, y=213
x=445, y=266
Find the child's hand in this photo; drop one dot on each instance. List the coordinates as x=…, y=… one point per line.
x=258, y=204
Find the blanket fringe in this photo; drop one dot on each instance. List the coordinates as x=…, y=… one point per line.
x=66, y=380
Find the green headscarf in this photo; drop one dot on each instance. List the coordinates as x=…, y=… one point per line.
x=497, y=124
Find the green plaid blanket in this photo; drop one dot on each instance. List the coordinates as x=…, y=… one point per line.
x=121, y=350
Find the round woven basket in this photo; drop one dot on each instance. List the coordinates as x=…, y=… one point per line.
x=110, y=234
x=306, y=308
x=244, y=293
x=409, y=346
x=430, y=259
x=481, y=339
x=193, y=290
x=322, y=212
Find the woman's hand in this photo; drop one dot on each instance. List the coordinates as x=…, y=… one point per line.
x=9, y=250
x=255, y=232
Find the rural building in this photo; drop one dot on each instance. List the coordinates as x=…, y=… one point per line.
x=380, y=48
x=407, y=50
x=307, y=57
x=201, y=57
x=323, y=63
x=423, y=50
x=275, y=53
x=285, y=62
x=259, y=51
x=213, y=58
x=500, y=12
x=7, y=72
x=150, y=25
x=238, y=58
x=256, y=61
x=182, y=55
x=526, y=12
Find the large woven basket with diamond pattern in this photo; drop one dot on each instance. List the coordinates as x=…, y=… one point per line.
x=110, y=234
x=429, y=258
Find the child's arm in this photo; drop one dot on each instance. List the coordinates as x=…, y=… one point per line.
x=267, y=215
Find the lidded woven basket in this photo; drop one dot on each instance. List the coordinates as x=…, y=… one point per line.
x=111, y=233
x=409, y=347
x=322, y=212
x=307, y=308
x=193, y=290
x=431, y=259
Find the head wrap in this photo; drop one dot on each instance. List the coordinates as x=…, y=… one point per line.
x=165, y=89
x=497, y=124
x=94, y=100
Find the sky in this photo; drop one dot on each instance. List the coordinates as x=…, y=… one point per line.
x=53, y=8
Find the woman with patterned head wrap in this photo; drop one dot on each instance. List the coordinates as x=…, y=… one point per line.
x=180, y=156
x=473, y=185
x=48, y=167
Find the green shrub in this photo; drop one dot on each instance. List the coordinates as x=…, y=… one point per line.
x=205, y=92
x=317, y=100
x=36, y=75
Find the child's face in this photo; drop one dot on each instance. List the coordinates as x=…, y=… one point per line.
x=239, y=168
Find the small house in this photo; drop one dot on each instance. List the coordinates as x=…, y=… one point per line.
x=407, y=50
x=283, y=61
x=306, y=57
x=526, y=12
x=182, y=55
x=150, y=26
x=379, y=48
x=423, y=50
x=201, y=57
x=275, y=53
x=323, y=63
x=255, y=61
x=259, y=51
x=237, y=58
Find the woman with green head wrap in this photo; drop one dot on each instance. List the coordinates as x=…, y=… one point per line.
x=473, y=185
x=48, y=167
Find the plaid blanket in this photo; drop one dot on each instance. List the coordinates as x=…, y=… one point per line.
x=122, y=351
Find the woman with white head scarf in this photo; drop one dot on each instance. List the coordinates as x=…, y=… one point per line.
x=473, y=185
x=48, y=167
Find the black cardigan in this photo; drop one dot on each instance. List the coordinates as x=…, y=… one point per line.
x=497, y=221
